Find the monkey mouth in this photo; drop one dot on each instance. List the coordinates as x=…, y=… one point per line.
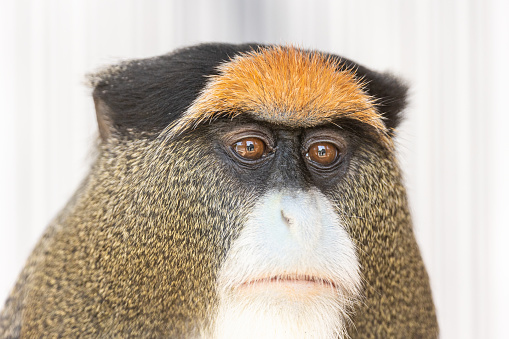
x=293, y=280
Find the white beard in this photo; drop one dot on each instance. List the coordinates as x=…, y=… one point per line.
x=276, y=314
x=264, y=285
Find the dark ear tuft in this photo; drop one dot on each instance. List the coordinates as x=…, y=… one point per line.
x=389, y=91
x=147, y=95
x=391, y=94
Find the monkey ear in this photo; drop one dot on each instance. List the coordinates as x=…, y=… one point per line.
x=390, y=93
x=103, y=112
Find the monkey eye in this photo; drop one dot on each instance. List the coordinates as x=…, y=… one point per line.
x=322, y=153
x=250, y=148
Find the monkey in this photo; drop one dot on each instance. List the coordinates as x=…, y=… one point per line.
x=238, y=191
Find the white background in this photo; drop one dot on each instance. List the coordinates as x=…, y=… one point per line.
x=454, y=144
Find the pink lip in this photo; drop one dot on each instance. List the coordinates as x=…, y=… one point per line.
x=290, y=279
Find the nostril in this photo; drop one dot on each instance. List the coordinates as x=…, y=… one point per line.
x=287, y=220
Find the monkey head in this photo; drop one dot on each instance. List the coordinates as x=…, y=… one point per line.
x=239, y=191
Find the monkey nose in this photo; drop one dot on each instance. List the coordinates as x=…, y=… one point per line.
x=287, y=220
x=301, y=215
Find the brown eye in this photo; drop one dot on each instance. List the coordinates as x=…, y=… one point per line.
x=250, y=148
x=323, y=153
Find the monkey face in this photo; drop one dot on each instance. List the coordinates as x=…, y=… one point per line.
x=291, y=257
x=274, y=194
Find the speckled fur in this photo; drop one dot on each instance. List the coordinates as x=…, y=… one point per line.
x=113, y=264
x=135, y=254
x=397, y=297
x=136, y=251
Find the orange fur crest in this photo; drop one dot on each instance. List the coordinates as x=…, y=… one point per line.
x=286, y=86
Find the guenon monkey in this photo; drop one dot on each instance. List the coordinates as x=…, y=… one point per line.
x=239, y=191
